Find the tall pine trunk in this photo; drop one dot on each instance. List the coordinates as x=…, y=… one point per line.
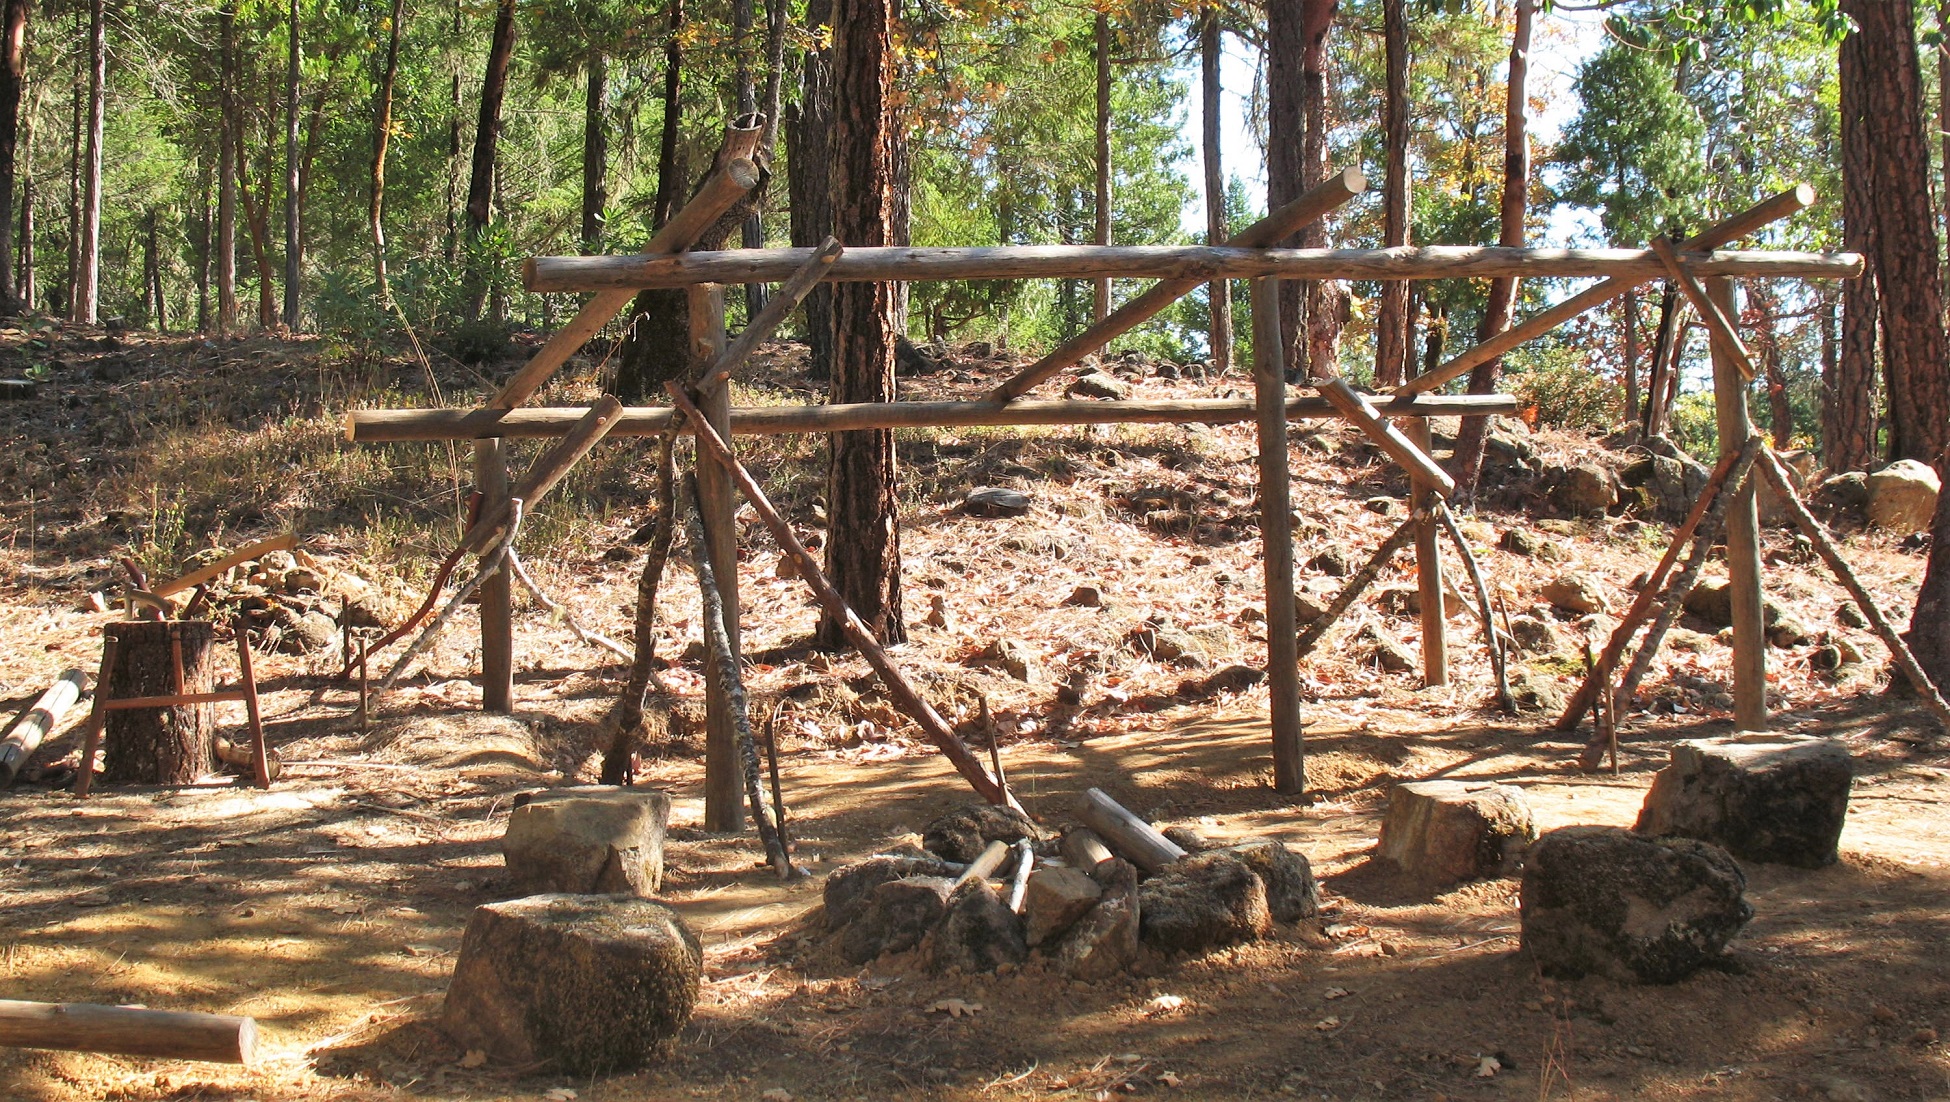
x=487, y=136
x=1326, y=300
x=1296, y=53
x=382, y=135
x=595, y=149
x=13, y=79
x=227, y=154
x=809, y=155
x=862, y=536
x=752, y=230
x=1848, y=391
x=1219, y=291
x=293, y=257
x=88, y=267
x=670, y=174
x=1100, y=290
x=1468, y=458
x=1391, y=323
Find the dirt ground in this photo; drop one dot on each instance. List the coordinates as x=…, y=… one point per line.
x=329, y=907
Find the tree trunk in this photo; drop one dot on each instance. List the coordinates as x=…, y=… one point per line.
x=1848, y=392
x=159, y=745
x=257, y=220
x=227, y=169
x=1658, y=410
x=13, y=78
x=670, y=174
x=487, y=135
x=595, y=149
x=382, y=136
x=1629, y=307
x=752, y=231
x=1767, y=344
x=292, y=256
x=88, y=269
x=862, y=538
x=1100, y=298
x=1326, y=300
x=1929, y=626
x=1219, y=291
x=809, y=153
x=1468, y=460
x=1285, y=136
x=152, y=280
x=1907, y=277
x=1391, y=324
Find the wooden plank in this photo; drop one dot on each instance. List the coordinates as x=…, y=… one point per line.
x=1276, y=541
x=202, y=574
x=723, y=780
x=1725, y=338
x=1367, y=417
x=497, y=591
x=1743, y=536
x=912, y=264
x=1740, y=225
x=1304, y=211
x=128, y=1031
x=28, y=729
x=373, y=426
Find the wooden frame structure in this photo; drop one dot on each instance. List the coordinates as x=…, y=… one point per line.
x=1249, y=255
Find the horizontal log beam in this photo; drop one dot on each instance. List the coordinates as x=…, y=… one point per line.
x=1198, y=263
x=378, y=426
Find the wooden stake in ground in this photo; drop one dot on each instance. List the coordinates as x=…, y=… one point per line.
x=902, y=693
x=1495, y=641
x=1771, y=469
x=717, y=640
x=1276, y=540
x=128, y=1031
x=1310, y=635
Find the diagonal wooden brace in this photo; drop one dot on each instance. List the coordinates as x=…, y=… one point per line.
x=1355, y=406
x=1289, y=219
x=1718, y=326
x=549, y=468
x=761, y=328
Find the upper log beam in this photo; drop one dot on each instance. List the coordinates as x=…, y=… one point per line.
x=378, y=426
x=1197, y=263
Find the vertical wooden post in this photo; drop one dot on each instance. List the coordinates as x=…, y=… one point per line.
x=1742, y=534
x=497, y=593
x=723, y=781
x=1276, y=536
x=1428, y=567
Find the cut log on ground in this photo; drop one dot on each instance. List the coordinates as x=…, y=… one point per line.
x=33, y=725
x=1136, y=840
x=128, y=1031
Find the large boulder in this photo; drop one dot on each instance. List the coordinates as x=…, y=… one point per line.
x=977, y=932
x=895, y=917
x=963, y=833
x=594, y=839
x=592, y=984
x=849, y=887
x=1902, y=496
x=1842, y=498
x=1445, y=832
x=1291, y=891
x=1582, y=488
x=1778, y=798
x=1577, y=593
x=1605, y=901
x=1202, y=901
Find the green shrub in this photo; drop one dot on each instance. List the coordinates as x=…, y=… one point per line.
x=1563, y=389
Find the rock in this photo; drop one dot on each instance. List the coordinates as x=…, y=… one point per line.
x=1711, y=599
x=1786, y=631
x=1306, y=609
x=1851, y=614
x=1385, y=653
x=1500, y=449
x=1165, y=642
x=962, y=834
x=1517, y=541
x=1445, y=832
x=1203, y=901
x=1576, y=593
x=1779, y=798
x=1056, y=898
x=1104, y=942
x=1537, y=691
x=977, y=933
x=1534, y=634
x=1187, y=839
x=1582, y=489
x=1332, y=562
x=849, y=887
x=303, y=632
x=593, y=984
x=1086, y=595
x=995, y=501
x=978, y=350
x=1902, y=496
x=592, y=839
x=1098, y=384
x=302, y=580
x=1010, y=656
x=1841, y=499
x=1601, y=900
x=1292, y=893
x=894, y=917
x=910, y=360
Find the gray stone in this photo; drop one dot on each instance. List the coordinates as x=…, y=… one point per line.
x=1537, y=691
x=995, y=501
x=589, y=839
x=1104, y=942
x=1534, y=634
x=1291, y=891
x=1576, y=593
x=1786, y=631
x=1445, y=832
x=1902, y=496
x=895, y=917
x=1779, y=798
x=1307, y=609
x=1203, y=901
x=1851, y=614
x=1057, y=896
x=303, y=631
x=1842, y=498
x=592, y=984
x=1332, y=562
x=1098, y=384
x=1185, y=838
x=1604, y=901
x=1383, y=652
x=1010, y=656
x=1582, y=489
x=849, y=887
x=977, y=933
x=1166, y=642
x=962, y=834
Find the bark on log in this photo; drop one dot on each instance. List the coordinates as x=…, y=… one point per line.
x=33, y=725
x=197, y=577
x=1138, y=841
x=377, y=426
x=172, y=745
x=128, y=1031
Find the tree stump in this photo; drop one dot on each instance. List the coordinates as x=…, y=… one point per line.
x=167, y=745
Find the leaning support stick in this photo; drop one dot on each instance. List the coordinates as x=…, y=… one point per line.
x=1362, y=579
x=903, y=693
x=1498, y=665
x=1770, y=468
x=718, y=639
x=490, y=563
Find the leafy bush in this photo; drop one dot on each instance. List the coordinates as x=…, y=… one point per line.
x=1560, y=385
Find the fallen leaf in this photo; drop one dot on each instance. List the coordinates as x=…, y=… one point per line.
x=474, y=1058
x=1487, y=1067
x=1337, y=993
x=1328, y=1023
x=1165, y=1004
x=954, y=1008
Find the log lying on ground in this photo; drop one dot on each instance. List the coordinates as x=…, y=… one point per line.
x=372, y=426
x=128, y=1031
x=209, y=571
x=1138, y=841
x=33, y=725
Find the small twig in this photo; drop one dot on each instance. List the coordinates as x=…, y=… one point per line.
x=555, y=608
x=492, y=562
x=1503, y=698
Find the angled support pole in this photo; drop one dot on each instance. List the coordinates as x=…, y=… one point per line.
x=761, y=328
x=1307, y=209
x=1355, y=406
x=548, y=470
x=1740, y=225
x=1726, y=339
